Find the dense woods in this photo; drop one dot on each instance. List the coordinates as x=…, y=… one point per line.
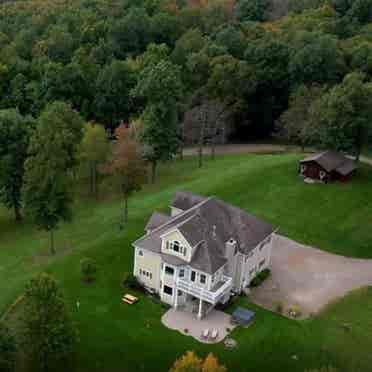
x=91, y=54
x=299, y=70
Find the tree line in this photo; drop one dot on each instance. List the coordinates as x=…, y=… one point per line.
x=90, y=54
x=70, y=71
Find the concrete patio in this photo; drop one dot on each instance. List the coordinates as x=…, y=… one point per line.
x=181, y=321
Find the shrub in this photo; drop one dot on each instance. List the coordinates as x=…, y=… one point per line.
x=279, y=307
x=88, y=269
x=260, y=277
x=295, y=311
x=130, y=281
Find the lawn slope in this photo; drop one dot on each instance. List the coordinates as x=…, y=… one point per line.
x=115, y=337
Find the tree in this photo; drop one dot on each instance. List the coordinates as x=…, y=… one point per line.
x=15, y=131
x=344, y=114
x=113, y=85
x=189, y=362
x=316, y=58
x=295, y=124
x=53, y=154
x=126, y=165
x=231, y=82
x=8, y=350
x=323, y=369
x=49, y=334
x=94, y=149
x=252, y=10
x=160, y=87
x=88, y=269
x=211, y=364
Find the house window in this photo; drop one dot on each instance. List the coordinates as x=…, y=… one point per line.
x=168, y=290
x=169, y=270
x=262, y=263
x=176, y=246
x=140, y=253
x=182, y=273
x=167, y=245
x=203, y=279
x=179, y=293
x=193, y=276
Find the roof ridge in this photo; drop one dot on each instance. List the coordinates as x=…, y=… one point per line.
x=174, y=218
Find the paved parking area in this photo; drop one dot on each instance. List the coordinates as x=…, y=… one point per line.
x=308, y=277
x=181, y=320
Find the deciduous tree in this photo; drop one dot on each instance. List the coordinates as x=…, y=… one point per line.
x=53, y=153
x=49, y=335
x=8, y=350
x=15, y=132
x=189, y=362
x=160, y=87
x=344, y=114
x=126, y=165
x=94, y=150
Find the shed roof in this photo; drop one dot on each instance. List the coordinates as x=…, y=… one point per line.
x=333, y=161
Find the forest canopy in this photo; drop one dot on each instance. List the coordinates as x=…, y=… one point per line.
x=91, y=54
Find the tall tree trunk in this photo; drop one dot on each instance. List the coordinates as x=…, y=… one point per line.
x=200, y=152
x=94, y=179
x=201, y=137
x=17, y=212
x=154, y=164
x=52, y=249
x=91, y=177
x=125, y=209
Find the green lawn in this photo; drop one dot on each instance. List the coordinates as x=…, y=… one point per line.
x=115, y=337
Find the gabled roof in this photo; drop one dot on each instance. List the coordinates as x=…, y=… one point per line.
x=207, y=226
x=185, y=200
x=157, y=219
x=333, y=161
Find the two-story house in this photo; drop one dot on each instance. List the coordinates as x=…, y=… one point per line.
x=205, y=250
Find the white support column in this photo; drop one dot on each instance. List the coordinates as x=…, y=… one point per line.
x=200, y=308
x=176, y=297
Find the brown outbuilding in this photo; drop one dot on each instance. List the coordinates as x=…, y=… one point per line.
x=328, y=166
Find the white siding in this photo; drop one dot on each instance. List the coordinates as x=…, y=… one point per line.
x=251, y=263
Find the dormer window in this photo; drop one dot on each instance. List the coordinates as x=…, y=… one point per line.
x=176, y=246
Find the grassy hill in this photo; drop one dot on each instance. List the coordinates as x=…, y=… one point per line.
x=334, y=217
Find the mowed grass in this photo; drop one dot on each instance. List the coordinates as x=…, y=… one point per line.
x=115, y=337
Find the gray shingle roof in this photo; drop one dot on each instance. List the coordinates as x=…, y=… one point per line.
x=207, y=226
x=157, y=219
x=333, y=161
x=185, y=200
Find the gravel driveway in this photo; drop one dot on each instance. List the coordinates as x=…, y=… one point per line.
x=308, y=277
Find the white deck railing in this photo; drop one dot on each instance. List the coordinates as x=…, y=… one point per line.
x=206, y=295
